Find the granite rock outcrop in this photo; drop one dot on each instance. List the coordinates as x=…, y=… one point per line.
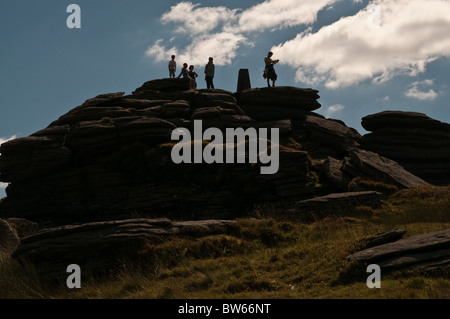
x=110, y=158
x=101, y=179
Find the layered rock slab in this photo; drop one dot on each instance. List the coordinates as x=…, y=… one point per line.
x=417, y=142
x=100, y=247
x=420, y=252
x=381, y=168
x=336, y=204
x=278, y=103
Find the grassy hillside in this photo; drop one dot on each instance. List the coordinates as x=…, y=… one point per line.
x=266, y=258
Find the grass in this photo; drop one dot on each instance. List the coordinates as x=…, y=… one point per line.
x=265, y=259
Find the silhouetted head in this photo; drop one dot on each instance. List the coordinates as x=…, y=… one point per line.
x=173, y=57
x=270, y=54
x=191, y=67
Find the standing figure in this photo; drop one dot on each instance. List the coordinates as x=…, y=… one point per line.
x=209, y=74
x=269, y=71
x=172, y=67
x=192, y=74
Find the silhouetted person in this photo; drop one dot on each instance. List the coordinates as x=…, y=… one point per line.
x=193, y=75
x=209, y=74
x=184, y=71
x=172, y=67
x=269, y=71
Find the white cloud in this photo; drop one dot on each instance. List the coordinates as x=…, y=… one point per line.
x=159, y=51
x=417, y=90
x=385, y=39
x=278, y=14
x=412, y=33
x=334, y=109
x=4, y=140
x=220, y=32
x=204, y=28
x=195, y=20
x=3, y=185
x=222, y=46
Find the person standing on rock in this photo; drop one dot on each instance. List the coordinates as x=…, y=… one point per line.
x=269, y=71
x=193, y=75
x=172, y=67
x=209, y=74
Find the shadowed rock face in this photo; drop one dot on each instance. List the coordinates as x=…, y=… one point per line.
x=418, y=143
x=110, y=158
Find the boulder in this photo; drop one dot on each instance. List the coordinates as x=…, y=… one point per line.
x=101, y=247
x=420, y=252
x=332, y=133
x=214, y=98
x=336, y=204
x=278, y=103
x=401, y=119
x=385, y=237
x=181, y=84
x=382, y=168
x=282, y=96
x=418, y=143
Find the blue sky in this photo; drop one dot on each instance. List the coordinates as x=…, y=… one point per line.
x=363, y=56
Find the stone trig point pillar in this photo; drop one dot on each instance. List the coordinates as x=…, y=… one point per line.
x=243, y=80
